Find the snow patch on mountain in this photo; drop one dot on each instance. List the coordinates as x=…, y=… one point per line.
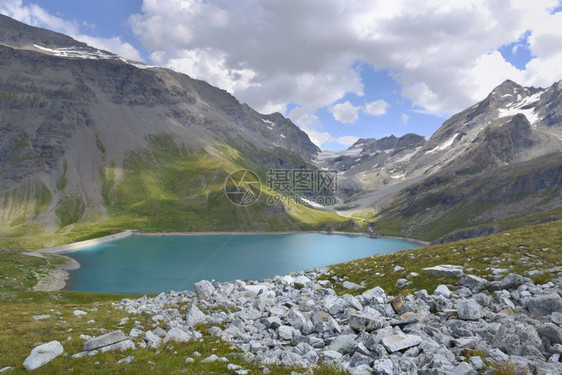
x=445, y=145
x=523, y=107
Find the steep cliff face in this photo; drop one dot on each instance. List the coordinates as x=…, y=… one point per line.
x=72, y=118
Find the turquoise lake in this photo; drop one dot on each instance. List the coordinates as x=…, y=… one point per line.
x=154, y=264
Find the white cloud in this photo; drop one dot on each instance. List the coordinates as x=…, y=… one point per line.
x=345, y=112
x=347, y=140
x=269, y=53
x=34, y=15
x=376, y=108
x=404, y=118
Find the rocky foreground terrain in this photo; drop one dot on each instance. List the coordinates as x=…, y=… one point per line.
x=507, y=325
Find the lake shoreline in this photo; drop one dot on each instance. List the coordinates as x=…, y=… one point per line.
x=162, y=234
x=56, y=279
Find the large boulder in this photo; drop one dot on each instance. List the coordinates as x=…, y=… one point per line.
x=107, y=339
x=469, y=309
x=545, y=304
x=446, y=270
x=364, y=322
x=194, y=315
x=395, y=343
x=512, y=337
x=204, y=289
x=43, y=354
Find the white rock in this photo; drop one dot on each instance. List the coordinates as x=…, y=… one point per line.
x=107, y=339
x=445, y=270
x=43, y=354
x=463, y=369
x=177, y=334
x=79, y=312
x=301, y=282
x=398, y=269
x=395, y=343
x=135, y=332
x=383, y=367
x=40, y=317
x=286, y=332
x=349, y=285
x=443, y=291
x=126, y=360
x=204, y=289
x=469, y=309
x=121, y=346
x=194, y=315
x=152, y=341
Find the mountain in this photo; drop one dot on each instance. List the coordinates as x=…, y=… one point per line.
x=495, y=165
x=89, y=137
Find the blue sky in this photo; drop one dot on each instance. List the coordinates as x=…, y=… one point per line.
x=339, y=70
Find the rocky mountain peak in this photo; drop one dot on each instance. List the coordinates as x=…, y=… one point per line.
x=18, y=34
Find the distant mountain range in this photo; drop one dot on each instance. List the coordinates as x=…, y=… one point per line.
x=93, y=143
x=494, y=165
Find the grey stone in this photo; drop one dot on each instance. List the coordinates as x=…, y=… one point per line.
x=550, y=332
x=41, y=317
x=152, y=341
x=343, y=344
x=204, y=289
x=135, y=332
x=364, y=322
x=512, y=281
x=6, y=369
x=126, y=360
x=469, y=309
x=159, y=332
x=331, y=357
x=395, y=343
x=442, y=290
x=43, y=354
x=463, y=368
x=323, y=321
x=286, y=332
x=360, y=370
x=107, y=339
x=194, y=315
x=513, y=336
x=383, y=367
x=476, y=362
x=296, y=319
x=272, y=322
x=483, y=300
x=214, y=358
x=352, y=286
x=544, y=304
x=556, y=317
x=301, y=282
x=445, y=270
x=120, y=346
x=178, y=335
x=358, y=359
x=402, y=283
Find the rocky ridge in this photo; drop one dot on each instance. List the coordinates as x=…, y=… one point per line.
x=297, y=320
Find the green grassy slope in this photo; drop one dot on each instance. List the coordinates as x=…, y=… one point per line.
x=167, y=188
x=504, y=198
